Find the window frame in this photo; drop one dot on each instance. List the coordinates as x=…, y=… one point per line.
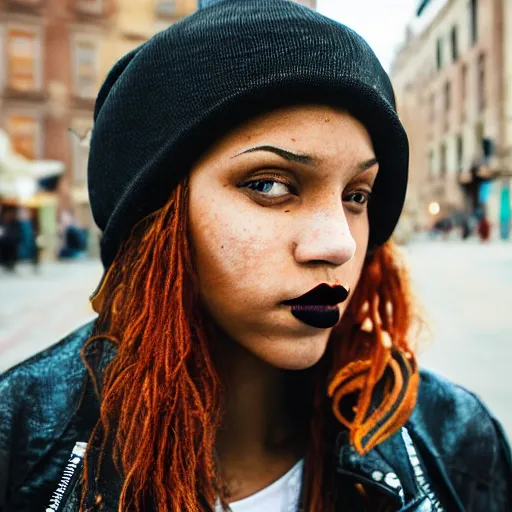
x=459, y=142
x=482, y=81
x=432, y=102
x=473, y=22
x=431, y=164
x=463, y=90
x=37, y=31
x=443, y=160
x=454, y=36
x=86, y=7
x=439, y=53
x=447, y=90
x=76, y=40
x=38, y=132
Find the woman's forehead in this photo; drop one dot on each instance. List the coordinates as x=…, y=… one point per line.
x=319, y=133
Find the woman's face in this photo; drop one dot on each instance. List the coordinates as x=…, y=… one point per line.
x=278, y=207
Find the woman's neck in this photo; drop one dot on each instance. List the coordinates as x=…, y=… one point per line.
x=258, y=440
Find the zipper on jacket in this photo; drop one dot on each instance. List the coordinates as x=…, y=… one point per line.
x=72, y=471
x=419, y=474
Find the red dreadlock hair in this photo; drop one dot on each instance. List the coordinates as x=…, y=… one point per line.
x=161, y=397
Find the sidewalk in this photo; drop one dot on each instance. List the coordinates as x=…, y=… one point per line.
x=36, y=310
x=465, y=287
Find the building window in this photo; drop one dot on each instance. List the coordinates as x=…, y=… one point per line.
x=85, y=68
x=447, y=104
x=442, y=165
x=24, y=133
x=432, y=107
x=473, y=6
x=463, y=81
x=439, y=53
x=431, y=163
x=23, y=57
x=481, y=81
x=460, y=153
x=166, y=7
x=479, y=134
x=455, y=44
x=463, y=89
x=447, y=96
x=90, y=6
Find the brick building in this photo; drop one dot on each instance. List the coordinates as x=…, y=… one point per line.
x=452, y=88
x=54, y=54
x=48, y=78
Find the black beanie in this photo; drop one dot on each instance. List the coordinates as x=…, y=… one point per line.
x=165, y=102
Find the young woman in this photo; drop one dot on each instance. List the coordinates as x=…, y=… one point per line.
x=254, y=349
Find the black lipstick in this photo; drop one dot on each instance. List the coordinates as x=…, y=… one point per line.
x=319, y=307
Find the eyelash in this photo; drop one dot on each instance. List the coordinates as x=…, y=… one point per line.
x=365, y=193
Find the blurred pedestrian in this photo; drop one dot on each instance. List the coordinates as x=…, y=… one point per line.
x=40, y=244
x=74, y=241
x=443, y=227
x=484, y=226
x=465, y=227
x=10, y=238
x=505, y=213
x=254, y=348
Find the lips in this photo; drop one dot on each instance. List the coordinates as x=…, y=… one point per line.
x=319, y=307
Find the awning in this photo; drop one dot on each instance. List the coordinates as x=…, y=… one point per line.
x=19, y=176
x=37, y=201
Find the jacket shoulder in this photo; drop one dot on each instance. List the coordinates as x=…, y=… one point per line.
x=451, y=414
x=37, y=400
x=465, y=438
x=46, y=371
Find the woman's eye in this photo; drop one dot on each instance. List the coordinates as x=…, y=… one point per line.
x=269, y=188
x=360, y=197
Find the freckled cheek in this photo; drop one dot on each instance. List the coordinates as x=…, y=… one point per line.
x=228, y=249
x=236, y=267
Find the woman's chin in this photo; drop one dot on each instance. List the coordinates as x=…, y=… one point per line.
x=297, y=355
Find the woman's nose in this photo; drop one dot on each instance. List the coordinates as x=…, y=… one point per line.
x=325, y=237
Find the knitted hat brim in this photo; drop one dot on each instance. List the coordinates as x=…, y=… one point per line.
x=163, y=104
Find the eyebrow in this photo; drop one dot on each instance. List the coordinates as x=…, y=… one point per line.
x=368, y=164
x=303, y=159
x=283, y=153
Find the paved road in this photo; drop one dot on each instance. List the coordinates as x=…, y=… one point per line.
x=465, y=288
x=37, y=310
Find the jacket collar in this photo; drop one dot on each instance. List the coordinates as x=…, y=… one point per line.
x=393, y=468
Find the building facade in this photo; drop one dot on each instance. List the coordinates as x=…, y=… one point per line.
x=131, y=23
x=54, y=55
x=452, y=91
x=308, y=3
x=48, y=78
x=507, y=78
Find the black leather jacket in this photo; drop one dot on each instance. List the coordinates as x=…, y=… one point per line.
x=452, y=455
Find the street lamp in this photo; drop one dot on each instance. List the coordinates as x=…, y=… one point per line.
x=434, y=208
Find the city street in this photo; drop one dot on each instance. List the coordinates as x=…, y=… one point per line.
x=466, y=289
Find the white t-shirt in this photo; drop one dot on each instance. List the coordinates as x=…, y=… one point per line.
x=281, y=496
